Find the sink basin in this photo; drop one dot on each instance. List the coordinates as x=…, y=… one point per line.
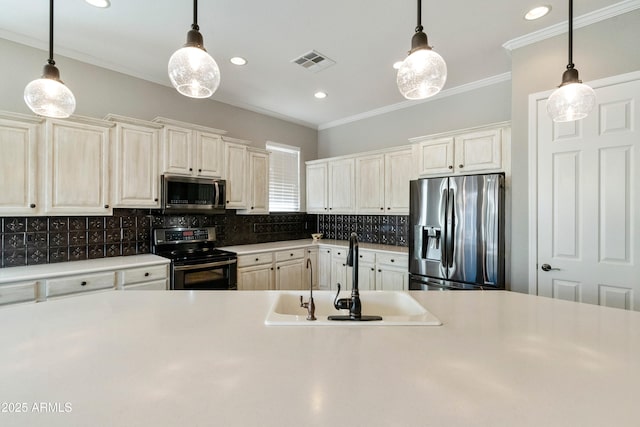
x=396, y=308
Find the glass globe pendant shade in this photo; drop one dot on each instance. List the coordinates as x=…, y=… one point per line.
x=193, y=72
x=48, y=96
x=573, y=100
x=422, y=74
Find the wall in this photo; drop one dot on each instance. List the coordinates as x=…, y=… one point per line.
x=481, y=106
x=600, y=50
x=99, y=91
x=43, y=240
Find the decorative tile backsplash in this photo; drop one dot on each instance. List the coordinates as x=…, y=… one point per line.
x=383, y=229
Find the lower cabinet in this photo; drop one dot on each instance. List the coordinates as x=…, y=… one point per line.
x=392, y=272
x=290, y=269
x=81, y=283
x=256, y=278
x=367, y=271
x=324, y=268
x=311, y=268
x=340, y=273
x=19, y=292
x=152, y=278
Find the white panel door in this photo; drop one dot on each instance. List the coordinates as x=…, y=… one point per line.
x=342, y=186
x=398, y=170
x=588, y=202
x=435, y=157
x=236, y=174
x=370, y=184
x=209, y=154
x=177, y=153
x=317, y=188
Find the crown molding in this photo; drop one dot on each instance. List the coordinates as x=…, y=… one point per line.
x=408, y=104
x=578, y=22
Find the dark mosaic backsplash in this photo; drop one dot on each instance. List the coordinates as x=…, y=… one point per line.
x=42, y=240
x=383, y=229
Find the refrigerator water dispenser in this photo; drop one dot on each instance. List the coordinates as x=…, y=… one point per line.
x=431, y=243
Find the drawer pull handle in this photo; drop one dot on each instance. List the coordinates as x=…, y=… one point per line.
x=146, y=274
x=32, y=205
x=379, y=271
x=460, y=166
x=291, y=254
x=393, y=260
x=373, y=269
x=83, y=284
x=257, y=259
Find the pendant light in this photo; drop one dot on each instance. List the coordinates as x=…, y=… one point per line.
x=192, y=71
x=48, y=96
x=573, y=100
x=424, y=72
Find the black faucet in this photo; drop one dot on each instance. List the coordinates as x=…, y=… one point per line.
x=353, y=304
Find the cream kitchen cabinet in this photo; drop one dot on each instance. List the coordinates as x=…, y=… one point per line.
x=256, y=272
x=20, y=165
x=77, y=166
x=331, y=186
x=149, y=278
x=290, y=269
x=340, y=272
x=324, y=268
x=382, y=182
x=483, y=149
x=65, y=286
x=366, y=271
x=311, y=268
x=191, y=150
x=258, y=184
x=235, y=165
x=134, y=160
x=19, y=292
x=392, y=272
x=317, y=185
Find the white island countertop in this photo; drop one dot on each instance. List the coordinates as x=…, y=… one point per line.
x=207, y=359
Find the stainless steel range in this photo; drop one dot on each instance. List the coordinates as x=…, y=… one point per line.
x=195, y=262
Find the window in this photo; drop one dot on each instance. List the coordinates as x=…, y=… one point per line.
x=284, y=178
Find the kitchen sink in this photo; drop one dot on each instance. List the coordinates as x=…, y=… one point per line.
x=397, y=308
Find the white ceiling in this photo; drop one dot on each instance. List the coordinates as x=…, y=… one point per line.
x=364, y=37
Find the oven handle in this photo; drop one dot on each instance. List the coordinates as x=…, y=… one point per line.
x=199, y=266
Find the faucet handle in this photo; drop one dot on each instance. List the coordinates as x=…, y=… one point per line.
x=343, y=303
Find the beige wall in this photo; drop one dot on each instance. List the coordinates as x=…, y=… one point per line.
x=488, y=104
x=604, y=49
x=99, y=91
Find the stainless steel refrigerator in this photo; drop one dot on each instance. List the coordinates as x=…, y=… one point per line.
x=456, y=234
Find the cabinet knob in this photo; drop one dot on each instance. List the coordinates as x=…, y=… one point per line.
x=278, y=268
x=381, y=209
x=373, y=269
x=460, y=166
x=393, y=260
x=190, y=169
x=388, y=208
x=199, y=170
x=106, y=206
x=450, y=166
x=344, y=265
x=328, y=252
x=330, y=208
x=32, y=205
x=83, y=284
x=325, y=209
x=146, y=274
x=379, y=271
x=227, y=201
x=251, y=207
x=272, y=268
x=290, y=254
x=257, y=259
x=360, y=256
x=155, y=200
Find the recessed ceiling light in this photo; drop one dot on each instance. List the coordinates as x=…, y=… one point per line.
x=397, y=64
x=99, y=3
x=537, y=12
x=320, y=95
x=238, y=60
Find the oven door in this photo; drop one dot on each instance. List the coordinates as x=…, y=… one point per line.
x=213, y=275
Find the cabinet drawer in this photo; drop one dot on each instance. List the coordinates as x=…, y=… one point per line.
x=255, y=259
x=287, y=255
x=399, y=260
x=156, y=285
x=144, y=274
x=19, y=292
x=339, y=253
x=369, y=257
x=73, y=284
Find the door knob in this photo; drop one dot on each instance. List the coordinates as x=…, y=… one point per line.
x=547, y=267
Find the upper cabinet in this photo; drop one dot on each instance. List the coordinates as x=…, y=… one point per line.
x=317, y=182
x=480, y=150
x=134, y=163
x=20, y=171
x=382, y=182
x=258, y=185
x=235, y=166
x=191, y=150
x=331, y=186
x=77, y=166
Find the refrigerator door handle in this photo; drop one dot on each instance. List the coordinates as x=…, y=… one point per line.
x=451, y=221
x=444, y=221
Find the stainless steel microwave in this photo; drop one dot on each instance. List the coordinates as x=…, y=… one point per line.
x=184, y=194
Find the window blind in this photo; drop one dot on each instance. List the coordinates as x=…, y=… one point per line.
x=284, y=177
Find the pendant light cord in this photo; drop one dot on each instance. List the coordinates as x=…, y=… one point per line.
x=194, y=26
x=419, y=27
x=570, y=65
x=50, y=61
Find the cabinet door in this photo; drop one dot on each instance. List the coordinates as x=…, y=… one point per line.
x=324, y=268
x=208, y=155
x=478, y=151
x=290, y=275
x=155, y=285
x=317, y=188
x=370, y=184
x=259, y=183
x=398, y=171
x=77, y=168
x=366, y=277
x=236, y=175
x=177, y=154
x=135, y=167
x=435, y=156
x=19, y=168
x=391, y=279
x=340, y=273
x=258, y=278
x=342, y=186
